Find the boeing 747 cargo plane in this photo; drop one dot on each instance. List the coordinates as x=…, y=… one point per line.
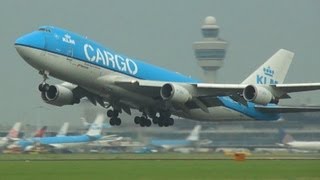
x=121, y=83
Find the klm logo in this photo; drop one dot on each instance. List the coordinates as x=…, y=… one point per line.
x=67, y=38
x=267, y=77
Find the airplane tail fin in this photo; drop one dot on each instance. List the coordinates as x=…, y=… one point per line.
x=14, y=131
x=96, y=127
x=285, y=137
x=64, y=129
x=194, y=135
x=40, y=132
x=273, y=71
x=85, y=123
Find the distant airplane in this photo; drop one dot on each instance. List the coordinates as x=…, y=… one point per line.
x=191, y=140
x=289, y=142
x=17, y=143
x=64, y=142
x=12, y=135
x=64, y=129
x=113, y=80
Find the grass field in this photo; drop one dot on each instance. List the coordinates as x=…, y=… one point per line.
x=53, y=167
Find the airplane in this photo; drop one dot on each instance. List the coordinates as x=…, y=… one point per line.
x=167, y=144
x=289, y=142
x=64, y=142
x=63, y=130
x=120, y=84
x=12, y=135
x=16, y=146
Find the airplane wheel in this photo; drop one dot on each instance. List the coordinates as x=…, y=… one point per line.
x=148, y=122
x=170, y=121
x=155, y=120
x=117, y=121
x=160, y=123
x=109, y=113
x=137, y=120
x=112, y=122
x=43, y=87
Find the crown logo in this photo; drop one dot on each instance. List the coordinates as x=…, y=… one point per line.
x=268, y=71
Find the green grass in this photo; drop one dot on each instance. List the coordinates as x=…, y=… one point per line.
x=114, y=168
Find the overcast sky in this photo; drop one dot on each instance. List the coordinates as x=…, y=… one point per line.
x=159, y=32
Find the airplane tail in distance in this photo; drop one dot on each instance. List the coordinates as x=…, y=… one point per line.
x=273, y=71
x=40, y=132
x=64, y=129
x=96, y=127
x=194, y=135
x=85, y=123
x=14, y=132
x=285, y=137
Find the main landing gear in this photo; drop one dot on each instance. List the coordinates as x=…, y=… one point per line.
x=163, y=120
x=114, y=119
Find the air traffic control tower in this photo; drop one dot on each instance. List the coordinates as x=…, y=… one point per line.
x=211, y=50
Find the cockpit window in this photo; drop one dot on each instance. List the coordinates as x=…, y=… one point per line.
x=44, y=29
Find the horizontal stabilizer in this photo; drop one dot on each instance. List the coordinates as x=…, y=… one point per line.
x=287, y=109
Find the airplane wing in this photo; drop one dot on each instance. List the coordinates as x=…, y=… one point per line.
x=289, y=88
x=287, y=109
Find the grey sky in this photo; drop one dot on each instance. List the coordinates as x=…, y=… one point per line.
x=162, y=33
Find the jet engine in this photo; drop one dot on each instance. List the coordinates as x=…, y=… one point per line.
x=258, y=95
x=59, y=95
x=175, y=93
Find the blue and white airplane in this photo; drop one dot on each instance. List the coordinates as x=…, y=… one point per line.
x=64, y=142
x=122, y=83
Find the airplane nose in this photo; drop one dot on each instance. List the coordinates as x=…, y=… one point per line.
x=28, y=47
x=32, y=40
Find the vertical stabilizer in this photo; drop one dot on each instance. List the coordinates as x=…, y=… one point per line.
x=40, y=132
x=96, y=127
x=285, y=138
x=194, y=135
x=64, y=129
x=273, y=71
x=14, y=132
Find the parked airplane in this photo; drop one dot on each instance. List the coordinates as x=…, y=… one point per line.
x=12, y=135
x=122, y=83
x=64, y=142
x=16, y=145
x=191, y=140
x=64, y=129
x=290, y=142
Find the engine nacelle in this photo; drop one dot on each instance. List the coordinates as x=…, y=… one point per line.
x=175, y=93
x=258, y=95
x=58, y=95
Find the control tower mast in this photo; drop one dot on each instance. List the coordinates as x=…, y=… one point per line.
x=211, y=50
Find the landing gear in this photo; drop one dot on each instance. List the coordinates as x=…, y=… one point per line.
x=43, y=87
x=114, y=119
x=143, y=121
x=163, y=120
